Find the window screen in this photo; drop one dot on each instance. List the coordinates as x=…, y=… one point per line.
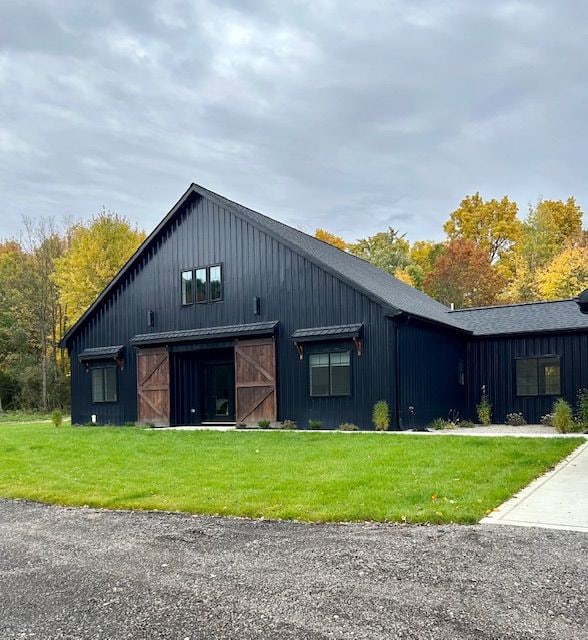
x=538, y=376
x=216, y=283
x=330, y=374
x=187, y=293
x=104, y=384
x=201, y=285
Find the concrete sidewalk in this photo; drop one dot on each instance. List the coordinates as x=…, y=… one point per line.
x=556, y=500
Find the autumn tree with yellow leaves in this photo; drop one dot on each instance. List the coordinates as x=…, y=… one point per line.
x=97, y=250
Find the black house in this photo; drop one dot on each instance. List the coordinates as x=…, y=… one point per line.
x=224, y=315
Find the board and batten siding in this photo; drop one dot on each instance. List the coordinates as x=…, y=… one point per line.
x=491, y=362
x=292, y=289
x=428, y=372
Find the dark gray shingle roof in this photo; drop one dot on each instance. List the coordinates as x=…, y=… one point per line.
x=232, y=331
x=360, y=273
x=335, y=331
x=558, y=315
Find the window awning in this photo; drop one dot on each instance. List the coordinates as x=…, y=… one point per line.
x=321, y=334
x=207, y=333
x=102, y=353
x=335, y=332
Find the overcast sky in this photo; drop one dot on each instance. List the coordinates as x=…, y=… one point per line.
x=351, y=116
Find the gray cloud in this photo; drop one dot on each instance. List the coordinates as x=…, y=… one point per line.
x=351, y=116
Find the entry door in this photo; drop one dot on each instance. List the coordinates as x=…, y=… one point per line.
x=153, y=406
x=255, y=366
x=220, y=392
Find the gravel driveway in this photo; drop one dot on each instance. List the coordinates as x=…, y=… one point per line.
x=81, y=573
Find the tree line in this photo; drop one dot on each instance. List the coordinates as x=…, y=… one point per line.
x=48, y=276
x=489, y=254
x=51, y=273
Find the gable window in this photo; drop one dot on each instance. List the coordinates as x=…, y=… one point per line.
x=201, y=285
x=330, y=374
x=187, y=292
x=104, y=384
x=538, y=376
x=216, y=283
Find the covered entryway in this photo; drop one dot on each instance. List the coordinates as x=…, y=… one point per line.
x=219, y=392
x=217, y=375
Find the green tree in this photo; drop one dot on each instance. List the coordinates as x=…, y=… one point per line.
x=387, y=250
x=422, y=257
x=492, y=225
x=13, y=338
x=96, y=252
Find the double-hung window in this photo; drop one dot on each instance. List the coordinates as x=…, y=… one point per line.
x=104, y=384
x=330, y=374
x=538, y=376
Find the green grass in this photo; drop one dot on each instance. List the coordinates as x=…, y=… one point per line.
x=21, y=415
x=306, y=476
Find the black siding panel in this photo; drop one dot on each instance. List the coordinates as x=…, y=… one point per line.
x=491, y=362
x=428, y=365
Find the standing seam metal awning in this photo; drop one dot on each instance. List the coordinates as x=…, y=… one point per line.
x=335, y=332
x=101, y=353
x=207, y=333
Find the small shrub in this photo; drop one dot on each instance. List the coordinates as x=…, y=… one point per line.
x=582, y=408
x=547, y=420
x=264, y=424
x=288, y=425
x=381, y=416
x=348, y=426
x=241, y=425
x=439, y=424
x=467, y=424
x=515, y=419
x=484, y=410
x=315, y=424
x=57, y=418
x=563, y=417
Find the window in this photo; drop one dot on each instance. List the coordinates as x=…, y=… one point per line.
x=201, y=285
x=187, y=293
x=208, y=285
x=104, y=384
x=538, y=376
x=216, y=283
x=330, y=374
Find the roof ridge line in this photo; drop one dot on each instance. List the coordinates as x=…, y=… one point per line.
x=511, y=304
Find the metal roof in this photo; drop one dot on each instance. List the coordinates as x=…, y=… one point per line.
x=530, y=317
x=359, y=273
x=191, y=335
x=322, y=333
x=101, y=353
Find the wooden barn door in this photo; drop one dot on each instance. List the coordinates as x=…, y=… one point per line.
x=255, y=380
x=153, y=404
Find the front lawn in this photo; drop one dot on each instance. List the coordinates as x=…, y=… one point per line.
x=306, y=476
